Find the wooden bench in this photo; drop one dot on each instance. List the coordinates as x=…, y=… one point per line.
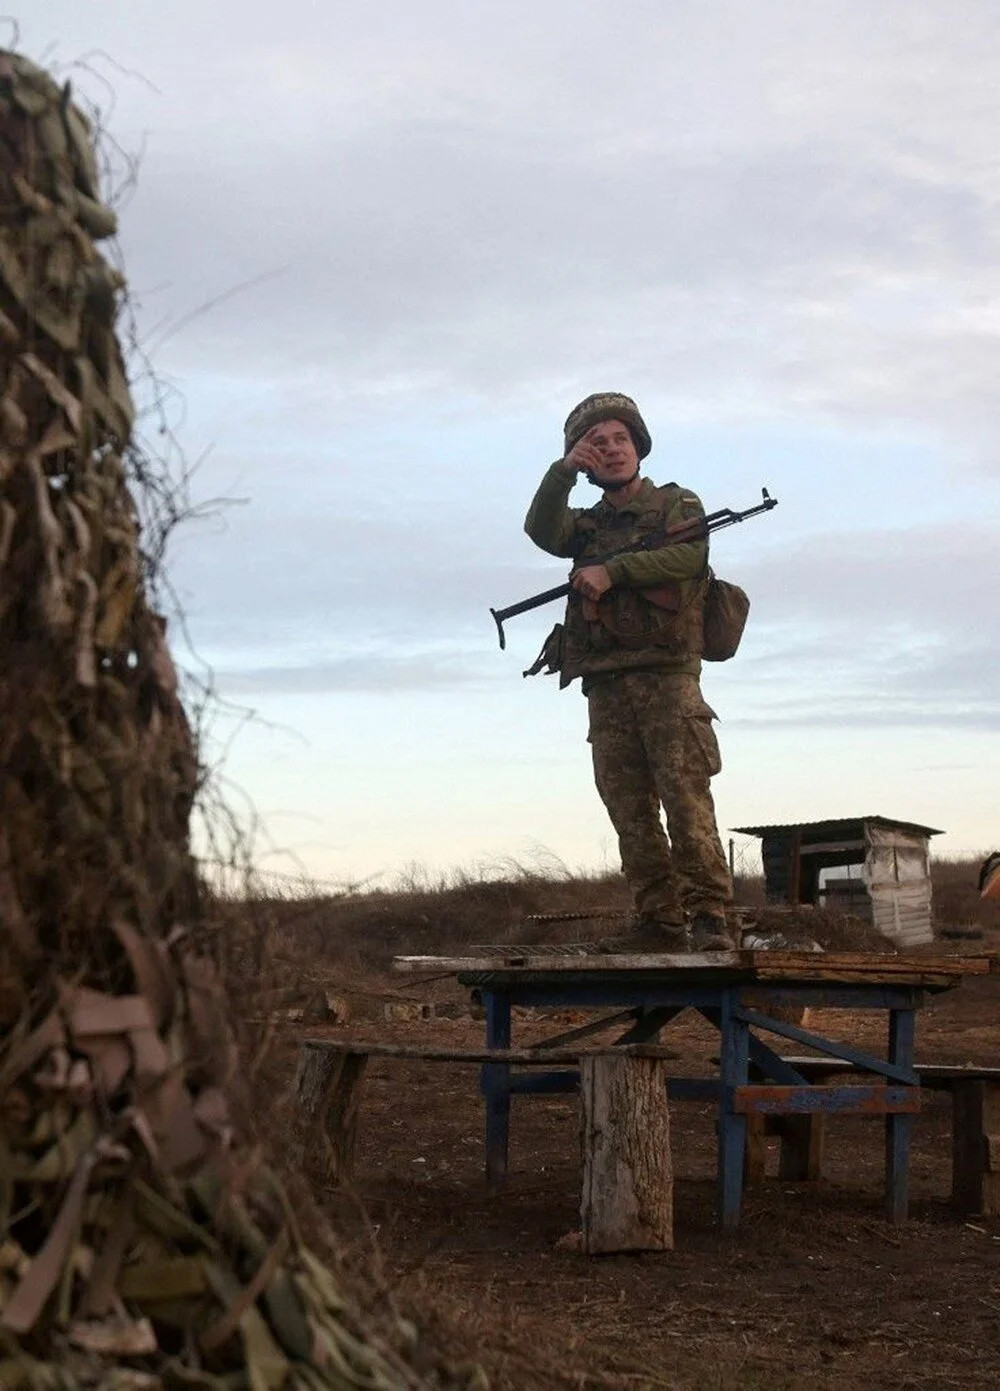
x=330, y=1076
x=627, y=1198
x=975, y=1093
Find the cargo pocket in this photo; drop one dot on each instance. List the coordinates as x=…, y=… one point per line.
x=701, y=741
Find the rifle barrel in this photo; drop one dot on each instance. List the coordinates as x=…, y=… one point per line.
x=535, y=602
x=697, y=527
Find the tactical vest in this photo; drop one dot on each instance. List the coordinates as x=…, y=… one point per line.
x=631, y=628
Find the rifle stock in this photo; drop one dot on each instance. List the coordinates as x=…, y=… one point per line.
x=672, y=536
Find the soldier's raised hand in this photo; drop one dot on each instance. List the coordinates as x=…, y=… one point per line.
x=582, y=458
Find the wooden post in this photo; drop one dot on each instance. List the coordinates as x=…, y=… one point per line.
x=801, y=1156
x=328, y=1087
x=755, y=1160
x=627, y=1202
x=975, y=1175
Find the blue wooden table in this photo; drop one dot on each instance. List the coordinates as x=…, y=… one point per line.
x=734, y=991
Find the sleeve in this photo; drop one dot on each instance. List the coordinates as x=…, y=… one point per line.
x=551, y=522
x=672, y=562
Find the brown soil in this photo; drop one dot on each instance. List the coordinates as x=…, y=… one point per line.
x=815, y=1289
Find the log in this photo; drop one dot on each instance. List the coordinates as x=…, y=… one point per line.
x=975, y=1183
x=328, y=1087
x=627, y=1202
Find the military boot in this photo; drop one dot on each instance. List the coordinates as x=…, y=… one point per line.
x=711, y=932
x=650, y=934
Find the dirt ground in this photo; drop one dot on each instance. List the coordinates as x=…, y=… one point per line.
x=814, y=1290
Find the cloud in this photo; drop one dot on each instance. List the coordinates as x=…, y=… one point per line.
x=877, y=628
x=774, y=225
x=789, y=215
x=375, y=673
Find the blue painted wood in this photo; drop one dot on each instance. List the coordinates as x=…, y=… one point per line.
x=902, y=1029
x=595, y=1026
x=720, y=1003
x=494, y=1082
x=771, y=1065
x=835, y=996
x=833, y=1048
x=649, y=1023
x=809, y=1100
x=733, y=1072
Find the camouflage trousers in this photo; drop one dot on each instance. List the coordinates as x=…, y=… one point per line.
x=653, y=745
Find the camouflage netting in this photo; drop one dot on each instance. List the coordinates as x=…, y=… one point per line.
x=139, y=1245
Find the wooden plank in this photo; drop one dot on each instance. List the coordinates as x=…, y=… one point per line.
x=868, y=967
x=831, y=1047
x=940, y=1076
x=734, y=1060
x=597, y=962
x=873, y=1100
x=957, y=1072
x=430, y=1054
x=596, y=1026
x=627, y=1200
x=877, y=963
x=915, y=979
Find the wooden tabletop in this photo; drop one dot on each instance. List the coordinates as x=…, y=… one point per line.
x=746, y=967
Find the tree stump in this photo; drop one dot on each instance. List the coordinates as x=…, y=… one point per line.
x=627, y=1202
x=328, y=1087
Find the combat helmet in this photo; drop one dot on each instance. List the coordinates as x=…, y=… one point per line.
x=607, y=405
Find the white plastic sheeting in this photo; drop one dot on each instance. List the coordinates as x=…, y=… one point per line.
x=897, y=873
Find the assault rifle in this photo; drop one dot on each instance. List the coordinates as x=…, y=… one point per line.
x=674, y=535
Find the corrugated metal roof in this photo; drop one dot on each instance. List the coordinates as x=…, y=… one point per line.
x=844, y=826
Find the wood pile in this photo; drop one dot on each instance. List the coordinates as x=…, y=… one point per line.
x=140, y=1245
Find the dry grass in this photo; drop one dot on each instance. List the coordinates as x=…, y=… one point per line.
x=279, y=952
x=956, y=895
x=277, y=946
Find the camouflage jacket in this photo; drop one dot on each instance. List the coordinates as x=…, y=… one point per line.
x=652, y=615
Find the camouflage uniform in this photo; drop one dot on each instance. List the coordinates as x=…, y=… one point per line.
x=638, y=652
x=653, y=743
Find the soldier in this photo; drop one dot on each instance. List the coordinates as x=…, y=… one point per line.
x=633, y=633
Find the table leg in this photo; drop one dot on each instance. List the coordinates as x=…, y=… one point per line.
x=897, y=1128
x=495, y=1085
x=733, y=1072
x=649, y=1022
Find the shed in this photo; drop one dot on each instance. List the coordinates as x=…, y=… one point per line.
x=871, y=866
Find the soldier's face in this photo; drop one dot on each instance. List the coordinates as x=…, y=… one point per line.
x=613, y=442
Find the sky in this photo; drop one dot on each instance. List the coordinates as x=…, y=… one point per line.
x=377, y=252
